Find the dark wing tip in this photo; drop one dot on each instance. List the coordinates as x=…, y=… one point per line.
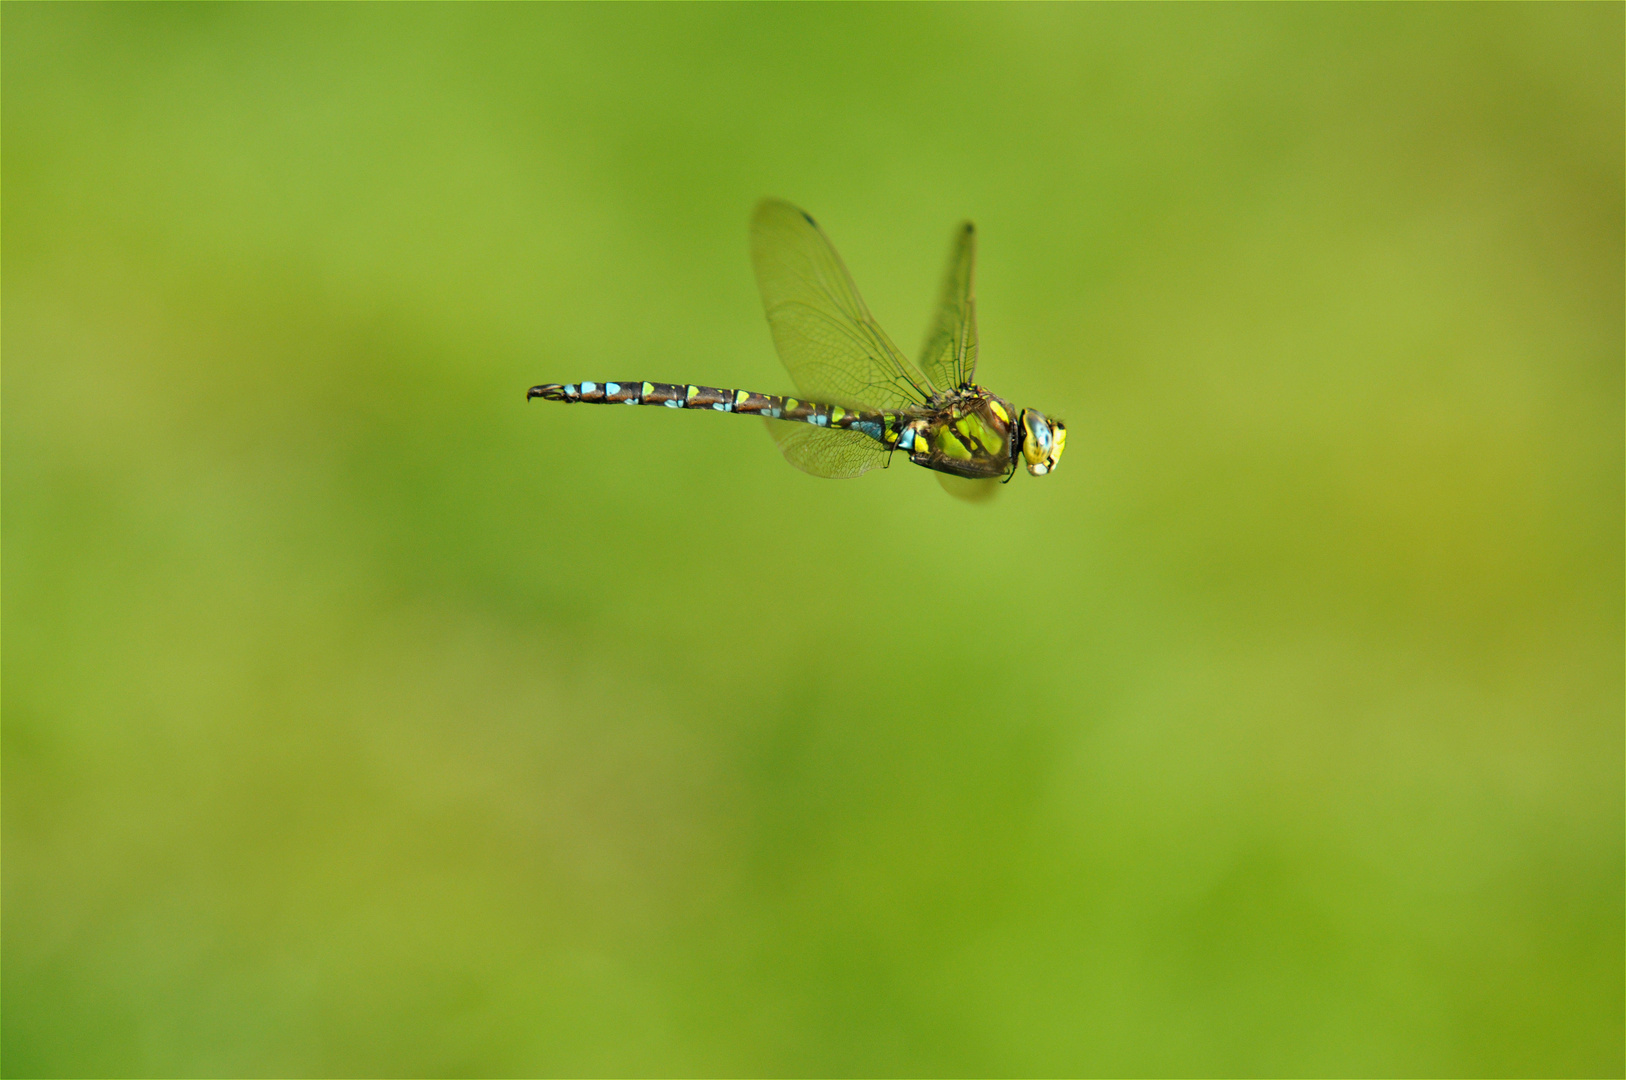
x=770, y=204
x=967, y=227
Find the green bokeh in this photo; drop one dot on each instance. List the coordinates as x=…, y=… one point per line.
x=360, y=718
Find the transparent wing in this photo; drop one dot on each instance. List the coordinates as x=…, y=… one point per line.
x=833, y=348
x=832, y=452
x=975, y=491
x=950, y=357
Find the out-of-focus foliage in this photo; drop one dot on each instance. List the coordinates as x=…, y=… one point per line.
x=360, y=719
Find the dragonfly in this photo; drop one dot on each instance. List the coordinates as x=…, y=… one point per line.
x=860, y=400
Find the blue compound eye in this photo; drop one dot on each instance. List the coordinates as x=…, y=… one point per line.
x=1036, y=447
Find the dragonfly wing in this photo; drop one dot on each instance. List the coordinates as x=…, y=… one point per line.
x=833, y=348
x=830, y=452
x=979, y=490
x=950, y=356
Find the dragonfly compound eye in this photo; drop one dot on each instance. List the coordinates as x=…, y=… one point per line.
x=1036, y=441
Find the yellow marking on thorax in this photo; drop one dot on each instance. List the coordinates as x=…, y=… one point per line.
x=981, y=435
x=999, y=411
x=951, y=446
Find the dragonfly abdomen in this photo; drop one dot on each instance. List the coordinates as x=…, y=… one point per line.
x=878, y=426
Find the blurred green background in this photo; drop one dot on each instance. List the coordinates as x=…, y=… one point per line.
x=362, y=719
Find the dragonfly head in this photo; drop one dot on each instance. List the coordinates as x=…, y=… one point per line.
x=1043, y=440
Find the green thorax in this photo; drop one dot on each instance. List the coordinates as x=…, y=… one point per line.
x=965, y=433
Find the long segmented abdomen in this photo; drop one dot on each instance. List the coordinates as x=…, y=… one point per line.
x=882, y=427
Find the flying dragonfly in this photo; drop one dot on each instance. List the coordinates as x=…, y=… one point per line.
x=861, y=400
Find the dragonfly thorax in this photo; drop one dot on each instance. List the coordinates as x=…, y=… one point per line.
x=967, y=432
